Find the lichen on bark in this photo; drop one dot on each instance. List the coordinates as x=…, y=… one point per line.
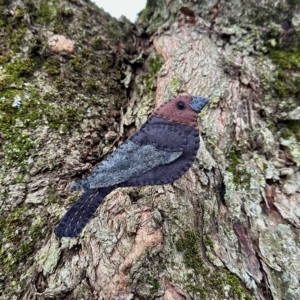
x=75, y=83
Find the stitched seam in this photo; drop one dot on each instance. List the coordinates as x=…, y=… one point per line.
x=184, y=169
x=130, y=177
x=184, y=123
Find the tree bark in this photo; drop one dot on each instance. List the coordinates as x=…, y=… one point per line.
x=75, y=83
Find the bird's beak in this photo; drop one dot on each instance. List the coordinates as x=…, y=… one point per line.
x=198, y=103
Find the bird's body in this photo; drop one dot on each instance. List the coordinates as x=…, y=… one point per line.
x=162, y=150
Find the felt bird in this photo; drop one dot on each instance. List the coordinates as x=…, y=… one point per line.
x=160, y=152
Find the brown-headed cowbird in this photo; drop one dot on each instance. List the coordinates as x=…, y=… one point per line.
x=160, y=152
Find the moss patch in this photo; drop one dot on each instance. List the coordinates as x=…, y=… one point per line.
x=147, y=14
x=154, y=284
x=284, y=49
x=189, y=245
x=24, y=251
x=239, y=171
x=290, y=128
x=97, y=43
x=209, y=283
x=17, y=111
x=208, y=242
x=155, y=65
x=13, y=228
x=8, y=225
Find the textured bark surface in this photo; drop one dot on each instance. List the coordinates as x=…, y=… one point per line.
x=75, y=83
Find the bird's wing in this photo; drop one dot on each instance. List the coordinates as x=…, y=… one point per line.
x=130, y=160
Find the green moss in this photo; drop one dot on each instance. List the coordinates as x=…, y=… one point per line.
x=20, y=122
x=208, y=242
x=85, y=53
x=65, y=11
x=6, y=261
x=154, y=284
x=60, y=83
x=22, y=109
x=72, y=116
x=15, y=71
x=285, y=59
x=115, y=31
x=24, y=251
x=49, y=97
x=290, y=128
x=37, y=230
x=285, y=53
x=73, y=199
x=61, y=16
x=245, y=176
x=190, y=246
x=234, y=161
x=18, y=147
x=19, y=179
x=10, y=116
x=19, y=13
x=209, y=283
x=91, y=86
x=44, y=13
x=106, y=61
x=3, y=82
x=77, y=64
x=29, y=114
x=113, y=87
x=52, y=196
x=16, y=229
x=148, y=11
x=285, y=84
x=268, y=14
x=239, y=171
x=13, y=218
x=3, y=16
x=155, y=65
x=97, y=43
x=52, y=66
x=31, y=9
x=14, y=36
x=9, y=224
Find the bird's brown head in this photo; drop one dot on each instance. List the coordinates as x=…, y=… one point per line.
x=182, y=110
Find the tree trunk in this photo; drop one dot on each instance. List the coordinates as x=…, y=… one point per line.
x=75, y=83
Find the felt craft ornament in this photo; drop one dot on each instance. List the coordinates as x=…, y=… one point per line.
x=160, y=152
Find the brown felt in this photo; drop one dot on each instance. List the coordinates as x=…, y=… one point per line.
x=170, y=112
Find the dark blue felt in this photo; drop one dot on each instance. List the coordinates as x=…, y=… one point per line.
x=162, y=136
x=81, y=211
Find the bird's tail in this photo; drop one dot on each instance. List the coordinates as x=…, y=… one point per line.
x=81, y=211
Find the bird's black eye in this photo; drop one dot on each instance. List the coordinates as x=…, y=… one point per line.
x=181, y=105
